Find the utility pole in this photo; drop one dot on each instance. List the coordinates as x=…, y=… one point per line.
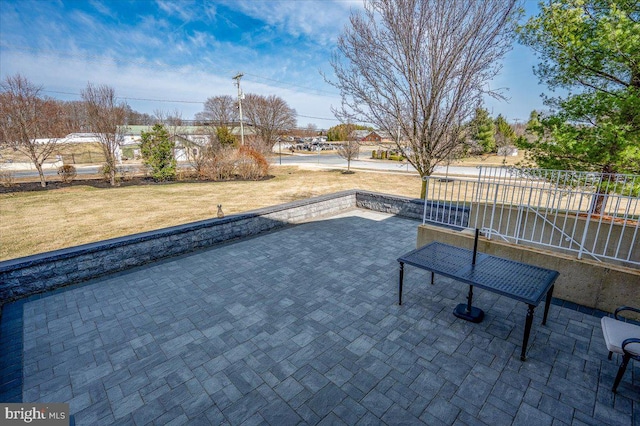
x=240, y=98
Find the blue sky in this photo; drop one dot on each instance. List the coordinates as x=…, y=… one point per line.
x=155, y=53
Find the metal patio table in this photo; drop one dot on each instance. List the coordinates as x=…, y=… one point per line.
x=516, y=280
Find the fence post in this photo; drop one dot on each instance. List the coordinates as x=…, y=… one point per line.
x=586, y=228
x=476, y=191
x=426, y=192
x=493, y=210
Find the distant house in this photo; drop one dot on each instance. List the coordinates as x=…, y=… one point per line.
x=366, y=136
x=189, y=146
x=192, y=132
x=81, y=138
x=386, y=136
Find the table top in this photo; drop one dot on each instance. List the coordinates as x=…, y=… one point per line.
x=520, y=281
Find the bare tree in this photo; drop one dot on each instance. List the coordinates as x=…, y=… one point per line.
x=172, y=121
x=311, y=130
x=106, y=119
x=220, y=113
x=168, y=118
x=137, y=118
x=271, y=116
x=76, y=114
x=350, y=149
x=29, y=123
x=421, y=66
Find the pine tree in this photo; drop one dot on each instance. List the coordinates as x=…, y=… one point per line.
x=483, y=130
x=157, y=153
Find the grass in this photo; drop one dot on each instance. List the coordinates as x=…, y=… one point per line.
x=35, y=222
x=73, y=153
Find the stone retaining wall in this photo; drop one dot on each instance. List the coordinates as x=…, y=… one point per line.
x=456, y=216
x=46, y=271
x=583, y=282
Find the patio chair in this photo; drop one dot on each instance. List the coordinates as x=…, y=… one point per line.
x=622, y=338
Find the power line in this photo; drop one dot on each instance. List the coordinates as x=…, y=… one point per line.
x=96, y=58
x=132, y=98
x=176, y=101
x=316, y=118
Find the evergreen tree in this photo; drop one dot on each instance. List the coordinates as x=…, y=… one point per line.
x=504, y=134
x=482, y=130
x=157, y=153
x=224, y=136
x=592, y=49
x=342, y=132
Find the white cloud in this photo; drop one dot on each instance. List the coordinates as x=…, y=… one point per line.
x=181, y=9
x=158, y=56
x=101, y=8
x=187, y=83
x=210, y=11
x=320, y=20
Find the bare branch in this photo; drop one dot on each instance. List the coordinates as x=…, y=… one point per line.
x=106, y=119
x=30, y=123
x=423, y=66
x=270, y=116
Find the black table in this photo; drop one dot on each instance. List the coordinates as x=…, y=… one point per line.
x=516, y=280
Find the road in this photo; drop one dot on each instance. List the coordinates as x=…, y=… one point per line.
x=303, y=160
x=80, y=170
x=335, y=161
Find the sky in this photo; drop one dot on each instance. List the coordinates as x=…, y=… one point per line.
x=171, y=55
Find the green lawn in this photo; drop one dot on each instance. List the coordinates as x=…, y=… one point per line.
x=35, y=222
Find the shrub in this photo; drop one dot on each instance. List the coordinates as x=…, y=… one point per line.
x=126, y=175
x=253, y=165
x=232, y=163
x=373, y=154
x=157, y=153
x=105, y=170
x=67, y=173
x=6, y=178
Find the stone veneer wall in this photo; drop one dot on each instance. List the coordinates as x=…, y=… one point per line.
x=456, y=216
x=46, y=271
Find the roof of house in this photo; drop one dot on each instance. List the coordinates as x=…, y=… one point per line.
x=136, y=130
x=359, y=134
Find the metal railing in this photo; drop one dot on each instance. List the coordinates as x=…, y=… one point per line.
x=588, y=214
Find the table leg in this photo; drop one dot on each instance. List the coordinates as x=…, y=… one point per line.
x=467, y=312
x=527, y=331
x=432, y=275
x=400, y=283
x=546, y=304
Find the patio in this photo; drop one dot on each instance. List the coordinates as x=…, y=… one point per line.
x=302, y=325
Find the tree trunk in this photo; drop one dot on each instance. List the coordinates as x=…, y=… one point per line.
x=423, y=190
x=602, y=190
x=112, y=176
x=43, y=181
x=598, y=201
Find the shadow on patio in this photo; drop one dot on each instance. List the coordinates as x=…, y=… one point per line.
x=302, y=325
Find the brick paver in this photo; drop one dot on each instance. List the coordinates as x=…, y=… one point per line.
x=302, y=325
